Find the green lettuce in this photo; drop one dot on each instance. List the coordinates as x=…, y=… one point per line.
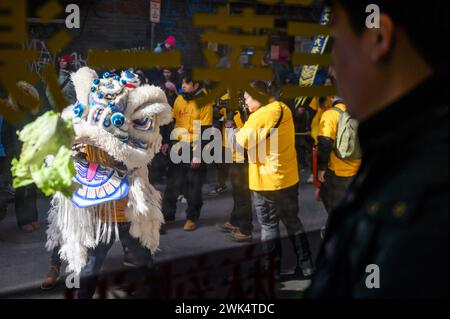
x=46, y=158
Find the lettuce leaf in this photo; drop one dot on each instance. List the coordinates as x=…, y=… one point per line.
x=49, y=136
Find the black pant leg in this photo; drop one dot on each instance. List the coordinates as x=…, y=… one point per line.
x=242, y=216
x=333, y=190
x=288, y=209
x=25, y=205
x=55, y=259
x=175, y=180
x=141, y=255
x=234, y=216
x=266, y=211
x=90, y=273
x=195, y=179
x=139, y=278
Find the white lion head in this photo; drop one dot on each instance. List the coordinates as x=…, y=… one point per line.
x=115, y=115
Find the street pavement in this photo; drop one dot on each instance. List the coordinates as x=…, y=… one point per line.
x=24, y=260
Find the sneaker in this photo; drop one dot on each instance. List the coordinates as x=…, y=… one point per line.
x=227, y=227
x=51, y=278
x=308, y=272
x=183, y=200
x=310, y=179
x=305, y=272
x=240, y=237
x=190, y=225
x=218, y=189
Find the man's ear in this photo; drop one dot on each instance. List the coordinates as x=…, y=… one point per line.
x=382, y=39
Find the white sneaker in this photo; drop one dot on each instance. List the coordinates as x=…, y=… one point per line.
x=310, y=179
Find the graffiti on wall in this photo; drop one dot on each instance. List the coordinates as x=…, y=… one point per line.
x=46, y=57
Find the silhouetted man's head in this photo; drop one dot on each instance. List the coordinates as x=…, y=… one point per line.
x=376, y=66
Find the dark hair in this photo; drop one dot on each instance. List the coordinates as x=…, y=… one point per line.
x=423, y=24
x=260, y=86
x=187, y=76
x=262, y=91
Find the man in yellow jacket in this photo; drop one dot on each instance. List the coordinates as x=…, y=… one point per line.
x=191, y=120
x=274, y=178
x=334, y=173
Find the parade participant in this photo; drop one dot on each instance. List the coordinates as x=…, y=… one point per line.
x=274, y=179
x=188, y=113
x=116, y=136
x=388, y=239
x=339, y=154
x=131, y=81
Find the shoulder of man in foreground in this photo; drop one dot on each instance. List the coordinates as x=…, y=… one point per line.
x=399, y=220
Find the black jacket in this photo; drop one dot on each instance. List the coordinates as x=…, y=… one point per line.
x=395, y=214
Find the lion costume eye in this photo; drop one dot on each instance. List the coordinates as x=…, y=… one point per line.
x=117, y=119
x=144, y=124
x=141, y=122
x=78, y=111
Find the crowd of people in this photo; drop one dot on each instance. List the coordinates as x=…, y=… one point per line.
x=273, y=194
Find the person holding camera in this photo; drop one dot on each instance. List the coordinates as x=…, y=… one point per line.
x=273, y=177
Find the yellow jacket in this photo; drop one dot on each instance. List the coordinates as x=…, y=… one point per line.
x=187, y=114
x=278, y=169
x=328, y=128
x=315, y=123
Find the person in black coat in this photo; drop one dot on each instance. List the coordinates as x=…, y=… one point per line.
x=6, y=195
x=388, y=238
x=25, y=198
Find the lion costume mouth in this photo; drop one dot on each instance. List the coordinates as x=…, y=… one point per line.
x=101, y=178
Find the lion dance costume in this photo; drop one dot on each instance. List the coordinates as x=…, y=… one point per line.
x=117, y=134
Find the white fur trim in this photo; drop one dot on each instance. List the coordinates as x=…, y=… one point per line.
x=144, y=210
x=144, y=95
x=82, y=81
